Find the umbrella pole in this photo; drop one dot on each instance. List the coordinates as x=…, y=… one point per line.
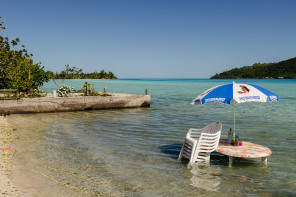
x=233, y=120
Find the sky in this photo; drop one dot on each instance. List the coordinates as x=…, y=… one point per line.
x=153, y=38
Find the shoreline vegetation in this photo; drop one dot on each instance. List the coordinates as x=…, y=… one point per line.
x=79, y=74
x=282, y=70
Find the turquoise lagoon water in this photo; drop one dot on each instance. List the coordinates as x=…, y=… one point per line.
x=133, y=152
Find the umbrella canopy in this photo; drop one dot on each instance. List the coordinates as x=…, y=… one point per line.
x=236, y=92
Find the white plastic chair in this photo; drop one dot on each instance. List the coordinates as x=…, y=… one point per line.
x=199, y=143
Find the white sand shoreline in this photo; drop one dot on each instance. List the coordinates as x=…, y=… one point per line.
x=7, y=188
x=19, y=174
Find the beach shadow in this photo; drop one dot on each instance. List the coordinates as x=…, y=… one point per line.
x=173, y=150
x=220, y=159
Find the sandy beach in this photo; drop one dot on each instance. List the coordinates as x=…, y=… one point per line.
x=19, y=174
x=7, y=188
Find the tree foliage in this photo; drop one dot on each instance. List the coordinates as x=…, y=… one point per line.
x=75, y=73
x=65, y=91
x=17, y=69
x=64, y=74
x=86, y=87
x=284, y=69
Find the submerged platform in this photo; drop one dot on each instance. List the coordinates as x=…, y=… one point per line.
x=74, y=103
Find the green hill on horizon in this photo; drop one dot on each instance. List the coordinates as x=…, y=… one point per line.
x=282, y=70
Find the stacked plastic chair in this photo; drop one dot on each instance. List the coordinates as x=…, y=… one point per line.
x=199, y=143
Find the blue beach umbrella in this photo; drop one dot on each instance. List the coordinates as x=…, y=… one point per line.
x=236, y=92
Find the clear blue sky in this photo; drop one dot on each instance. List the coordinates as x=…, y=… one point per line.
x=153, y=38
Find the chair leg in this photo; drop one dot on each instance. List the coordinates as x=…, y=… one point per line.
x=208, y=158
x=181, y=152
x=230, y=161
x=264, y=160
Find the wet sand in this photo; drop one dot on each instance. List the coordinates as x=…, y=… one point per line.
x=7, y=188
x=19, y=174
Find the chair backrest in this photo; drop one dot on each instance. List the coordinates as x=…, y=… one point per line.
x=207, y=142
x=209, y=139
x=213, y=127
x=210, y=128
x=199, y=143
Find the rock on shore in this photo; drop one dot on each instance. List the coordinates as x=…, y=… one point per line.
x=74, y=103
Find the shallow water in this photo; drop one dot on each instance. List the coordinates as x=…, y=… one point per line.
x=133, y=152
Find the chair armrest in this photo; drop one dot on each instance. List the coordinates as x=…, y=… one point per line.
x=194, y=133
x=191, y=140
x=195, y=130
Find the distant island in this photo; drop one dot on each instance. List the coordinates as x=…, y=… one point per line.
x=75, y=73
x=281, y=70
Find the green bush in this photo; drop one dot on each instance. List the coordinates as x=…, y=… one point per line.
x=65, y=91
